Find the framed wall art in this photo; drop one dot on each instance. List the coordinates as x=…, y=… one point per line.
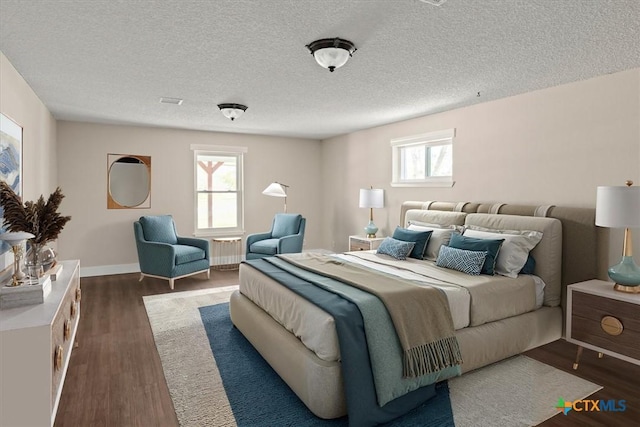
x=10, y=172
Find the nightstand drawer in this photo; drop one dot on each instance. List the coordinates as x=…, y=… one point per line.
x=587, y=315
x=358, y=243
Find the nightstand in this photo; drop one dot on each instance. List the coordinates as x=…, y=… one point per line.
x=604, y=320
x=362, y=243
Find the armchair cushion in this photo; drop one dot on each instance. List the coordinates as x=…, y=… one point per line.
x=266, y=247
x=159, y=228
x=285, y=225
x=185, y=254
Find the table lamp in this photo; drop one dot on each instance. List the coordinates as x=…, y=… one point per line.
x=619, y=207
x=275, y=189
x=371, y=198
x=15, y=239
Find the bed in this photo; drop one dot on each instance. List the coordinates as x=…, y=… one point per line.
x=298, y=339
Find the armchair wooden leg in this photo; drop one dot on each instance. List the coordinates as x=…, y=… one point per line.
x=208, y=274
x=171, y=283
x=141, y=277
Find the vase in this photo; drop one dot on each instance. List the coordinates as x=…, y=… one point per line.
x=33, y=261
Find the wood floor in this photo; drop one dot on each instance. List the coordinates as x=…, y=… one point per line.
x=115, y=377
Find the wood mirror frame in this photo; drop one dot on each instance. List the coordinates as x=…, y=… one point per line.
x=128, y=181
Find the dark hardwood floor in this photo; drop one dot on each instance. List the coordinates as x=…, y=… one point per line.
x=115, y=377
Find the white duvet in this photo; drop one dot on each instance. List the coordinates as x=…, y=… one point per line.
x=316, y=328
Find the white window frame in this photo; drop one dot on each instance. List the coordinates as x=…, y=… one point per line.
x=431, y=139
x=218, y=150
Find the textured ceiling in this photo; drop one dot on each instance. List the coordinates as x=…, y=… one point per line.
x=111, y=61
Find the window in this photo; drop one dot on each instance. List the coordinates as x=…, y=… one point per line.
x=423, y=160
x=219, y=194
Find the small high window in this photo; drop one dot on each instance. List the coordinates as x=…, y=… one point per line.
x=423, y=160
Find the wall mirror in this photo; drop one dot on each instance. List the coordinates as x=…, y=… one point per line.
x=128, y=181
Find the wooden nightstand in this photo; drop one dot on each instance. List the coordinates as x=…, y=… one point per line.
x=604, y=320
x=361, y=243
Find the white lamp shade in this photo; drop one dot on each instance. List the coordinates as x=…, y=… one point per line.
x=231, y=113
x=618, y=207
x=371, y=198
x=275, y=189
x=331, y=57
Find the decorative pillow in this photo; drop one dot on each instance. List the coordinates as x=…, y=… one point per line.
x=439, y=237
x=420, y=238
x=159, y=228
x=515, y=249
x=469, y=262
x=529, y=266
x=491, y=246
x=395, y=248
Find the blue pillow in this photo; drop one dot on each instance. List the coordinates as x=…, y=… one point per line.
x=491, y=246
x=420, y=238
x=395, y=248
x=529, y=266
x=159, y=228
x=469, y=262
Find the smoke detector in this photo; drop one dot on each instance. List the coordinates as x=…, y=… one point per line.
x=174, y=101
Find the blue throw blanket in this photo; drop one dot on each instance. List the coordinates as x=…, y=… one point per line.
x=360, y=391
x=385, y=351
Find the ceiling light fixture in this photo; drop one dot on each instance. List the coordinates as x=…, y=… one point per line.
x=232, y=111
x=331, y=53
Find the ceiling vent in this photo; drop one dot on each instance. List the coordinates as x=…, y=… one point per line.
x=434, y=2
x=174, y=101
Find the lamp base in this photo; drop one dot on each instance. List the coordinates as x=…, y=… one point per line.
x=628, y=289
x=626, y=275
x=371, y=230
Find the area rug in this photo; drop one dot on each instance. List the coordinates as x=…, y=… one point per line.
x=216, y=378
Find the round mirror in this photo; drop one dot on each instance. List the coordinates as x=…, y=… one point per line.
x=129, y=181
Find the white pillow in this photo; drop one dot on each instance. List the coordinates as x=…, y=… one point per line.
x=439, y=237
x=515, y=248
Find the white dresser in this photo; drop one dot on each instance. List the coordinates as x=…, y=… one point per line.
x=35, y=346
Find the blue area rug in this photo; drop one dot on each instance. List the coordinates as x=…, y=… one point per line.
x=258, y=397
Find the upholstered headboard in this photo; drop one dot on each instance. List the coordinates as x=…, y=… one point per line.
x=585, y=247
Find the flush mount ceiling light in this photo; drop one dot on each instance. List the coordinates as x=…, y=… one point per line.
x=331, y=53
x=232, y=111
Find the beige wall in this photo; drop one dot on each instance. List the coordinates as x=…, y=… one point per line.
x=103, y=238
x=39, y=148
x=552, y=146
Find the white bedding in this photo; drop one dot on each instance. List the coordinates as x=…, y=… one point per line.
x=316, y=328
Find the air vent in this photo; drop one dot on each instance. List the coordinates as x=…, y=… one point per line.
x=434, y=2
x=174, y=101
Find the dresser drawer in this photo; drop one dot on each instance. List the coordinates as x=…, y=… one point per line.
x=588, y=312
x=63, y=330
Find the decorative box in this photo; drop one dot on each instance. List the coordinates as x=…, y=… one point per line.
x=25, y=294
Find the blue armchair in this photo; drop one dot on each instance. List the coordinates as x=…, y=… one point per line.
x=286, y=236
x=164, y=254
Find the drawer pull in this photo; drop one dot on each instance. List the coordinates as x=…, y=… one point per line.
x=57, y=358
x=73, y=309
x=78, y=294
x=611, y=325
x=67, y=330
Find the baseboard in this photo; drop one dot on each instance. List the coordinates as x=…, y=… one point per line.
x=107, y=270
